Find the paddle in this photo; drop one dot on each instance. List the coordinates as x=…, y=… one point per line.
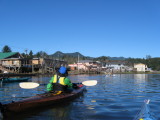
x=28, y=85
x=89, y=82
x=31, y=85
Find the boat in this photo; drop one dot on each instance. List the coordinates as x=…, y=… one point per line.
x=8, y=80
x=42, y=100
x=145, y=112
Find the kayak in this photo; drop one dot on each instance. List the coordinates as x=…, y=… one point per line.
x=145, y=113
x=8, y=80
x=41, y=100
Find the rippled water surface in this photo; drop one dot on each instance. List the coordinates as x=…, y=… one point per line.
x=114, y=98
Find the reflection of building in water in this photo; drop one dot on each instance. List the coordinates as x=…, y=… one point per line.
x=140, y=77
x=140, y=83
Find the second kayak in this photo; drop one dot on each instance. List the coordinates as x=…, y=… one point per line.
x=145, y=113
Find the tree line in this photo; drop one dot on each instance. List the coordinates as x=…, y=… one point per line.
x=40, y=54
x=153, y=63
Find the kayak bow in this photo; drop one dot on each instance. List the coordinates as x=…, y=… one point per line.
x=145, y=113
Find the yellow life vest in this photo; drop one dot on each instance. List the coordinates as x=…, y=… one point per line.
x=61, y=80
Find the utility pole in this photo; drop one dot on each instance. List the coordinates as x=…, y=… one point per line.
x=26, y=52
x=78, y=63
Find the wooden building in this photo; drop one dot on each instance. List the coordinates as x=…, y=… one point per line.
x=10, y=62
x=14, y=62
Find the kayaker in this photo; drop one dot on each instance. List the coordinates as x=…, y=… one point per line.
x=60, y=82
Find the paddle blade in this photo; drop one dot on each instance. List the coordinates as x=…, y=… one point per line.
x=89, y=82
x=28, y=85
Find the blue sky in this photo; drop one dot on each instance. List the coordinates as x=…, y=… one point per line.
x=128, y=28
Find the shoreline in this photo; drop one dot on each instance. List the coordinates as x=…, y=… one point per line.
x=71, y=73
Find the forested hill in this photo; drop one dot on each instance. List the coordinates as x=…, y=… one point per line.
x=61, y=54
x=70, y=57
x=77, y=54
x=73, y=57
x=117, y=58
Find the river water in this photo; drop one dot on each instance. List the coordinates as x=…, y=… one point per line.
x=117, y=97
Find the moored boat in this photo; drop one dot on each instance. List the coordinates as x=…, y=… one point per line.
x=8, y=80
x=42, y=100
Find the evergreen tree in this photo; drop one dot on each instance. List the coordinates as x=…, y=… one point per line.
x=102, y=58
x=38, y=55
x=6, y=48
x=41, y=54
x=23, y=54
x=31, y=54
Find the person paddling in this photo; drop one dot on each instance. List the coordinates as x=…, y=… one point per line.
x=59, y=82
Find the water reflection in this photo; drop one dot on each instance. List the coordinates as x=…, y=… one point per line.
x=140, y=77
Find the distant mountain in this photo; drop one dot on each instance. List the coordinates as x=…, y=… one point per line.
x=61, y=54
x=69, y=57
x=75, y=55
x=58, y=54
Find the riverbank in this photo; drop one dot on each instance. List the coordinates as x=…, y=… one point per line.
x=133, y=72
x=104, y=72
x=14, y=74
x=72, y=73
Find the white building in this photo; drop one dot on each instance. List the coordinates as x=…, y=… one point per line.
x=140, y=67
x=115, y=65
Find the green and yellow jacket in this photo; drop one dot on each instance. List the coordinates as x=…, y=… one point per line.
x=64, y=81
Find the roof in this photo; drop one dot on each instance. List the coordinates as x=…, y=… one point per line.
x=139, y=64
x=85, y=61
x=7, y=54
x=115, y=63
